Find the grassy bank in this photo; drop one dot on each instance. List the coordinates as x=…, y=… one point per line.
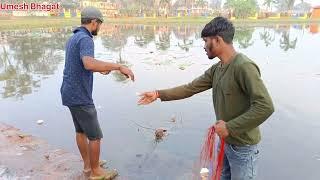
x=38, y=22
x=202, y=20
x=42, y=22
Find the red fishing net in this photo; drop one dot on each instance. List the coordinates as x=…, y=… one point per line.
x=210, y=156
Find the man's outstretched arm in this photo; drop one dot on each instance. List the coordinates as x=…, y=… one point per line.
x=198, y=85
x=94, y=65
x=86, y=46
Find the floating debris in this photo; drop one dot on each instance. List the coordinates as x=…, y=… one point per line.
x=138, y=155
x=138, y=94
x=151, y=52
x=160, y=133
x=47, y=156
x=173, y=118
x=24, y=148
x=22, y=136
x=19, y=154
x=40, y=122
x=182, y=68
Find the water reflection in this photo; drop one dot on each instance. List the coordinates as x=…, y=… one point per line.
x=144, y=35
x=117, y=75
x=163, y=56
x=286, y=43
x=162, y=40
x=115, y=37
x=28, y=56
x=267, y=36
x=243, y=37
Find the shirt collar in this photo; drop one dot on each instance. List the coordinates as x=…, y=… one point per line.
x=83, y=29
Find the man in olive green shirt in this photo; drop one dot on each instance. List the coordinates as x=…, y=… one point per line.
x=241, y=100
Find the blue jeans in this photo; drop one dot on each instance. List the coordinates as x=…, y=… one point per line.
x=240, y=162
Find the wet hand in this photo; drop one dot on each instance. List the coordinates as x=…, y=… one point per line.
x=127, y=72
x=221, y=129
x=105, y=72
x=148, y=97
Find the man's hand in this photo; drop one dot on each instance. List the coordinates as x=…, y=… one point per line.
x=221, y=129
x=127, y=72
x=148, y=97
x=105, y=72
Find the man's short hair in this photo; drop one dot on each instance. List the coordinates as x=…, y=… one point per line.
x=85, y=21
x=219, y=26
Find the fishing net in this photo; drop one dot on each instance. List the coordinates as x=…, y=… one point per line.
x=211, y=155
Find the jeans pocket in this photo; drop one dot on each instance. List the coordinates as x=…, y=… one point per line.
x=241, y=150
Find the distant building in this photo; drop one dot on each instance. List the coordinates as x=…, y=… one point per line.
x=200, y=10
x=108, y=9
x=193, y=8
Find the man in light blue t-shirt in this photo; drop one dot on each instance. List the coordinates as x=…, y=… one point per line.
x=76, y=90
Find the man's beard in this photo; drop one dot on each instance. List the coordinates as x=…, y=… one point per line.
x=211, y=52
x=94, y=33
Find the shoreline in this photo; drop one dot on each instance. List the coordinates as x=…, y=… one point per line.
x=24, y=156
x=14, y=23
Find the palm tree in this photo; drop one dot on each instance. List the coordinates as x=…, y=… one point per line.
x=201, y=3
x=285, y=5
x=269, y=3
x=166, y=4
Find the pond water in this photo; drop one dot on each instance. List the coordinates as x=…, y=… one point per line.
x=163, y=56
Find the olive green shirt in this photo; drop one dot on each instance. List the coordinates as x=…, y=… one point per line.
x=239, y=96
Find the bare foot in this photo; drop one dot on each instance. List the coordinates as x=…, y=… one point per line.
x=101, y=173
x=87, y=167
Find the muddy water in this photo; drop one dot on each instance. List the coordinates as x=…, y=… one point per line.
x=31, y=64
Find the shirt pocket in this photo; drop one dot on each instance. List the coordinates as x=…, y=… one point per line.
x=227, y=87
